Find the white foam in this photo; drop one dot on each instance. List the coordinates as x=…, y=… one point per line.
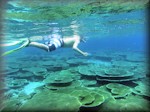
x=28, y=89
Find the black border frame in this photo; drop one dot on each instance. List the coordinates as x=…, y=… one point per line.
x=2, y=5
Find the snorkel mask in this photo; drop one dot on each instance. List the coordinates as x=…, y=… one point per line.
x=83, y=39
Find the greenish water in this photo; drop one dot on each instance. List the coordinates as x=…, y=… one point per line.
x=113, y=78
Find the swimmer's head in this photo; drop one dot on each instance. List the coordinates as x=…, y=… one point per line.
x=83, y=39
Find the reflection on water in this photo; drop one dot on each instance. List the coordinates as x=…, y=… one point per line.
x=93, y=18
x=113, y=78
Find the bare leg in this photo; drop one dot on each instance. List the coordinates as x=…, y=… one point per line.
x=39, y=45
x=36, y=38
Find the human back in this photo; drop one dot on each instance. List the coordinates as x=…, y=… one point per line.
x=69, y=41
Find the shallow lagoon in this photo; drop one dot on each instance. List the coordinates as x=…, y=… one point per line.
x=113, y=78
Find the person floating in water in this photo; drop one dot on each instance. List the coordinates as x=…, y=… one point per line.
x=50, y=43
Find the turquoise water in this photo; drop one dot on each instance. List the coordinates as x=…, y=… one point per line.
x=113, y=78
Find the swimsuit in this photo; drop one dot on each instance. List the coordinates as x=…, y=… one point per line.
x=53, y=41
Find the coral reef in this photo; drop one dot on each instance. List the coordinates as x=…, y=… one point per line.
x=79, y=85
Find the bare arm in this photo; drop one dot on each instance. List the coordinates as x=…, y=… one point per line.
x=75, y=47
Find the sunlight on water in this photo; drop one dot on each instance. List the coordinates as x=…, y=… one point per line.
x=114, y=77
x=92, y=19
x=28, y=89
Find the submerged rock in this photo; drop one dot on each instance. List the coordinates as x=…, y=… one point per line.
x=119, y=90
x=130, y=104
x=53, y=102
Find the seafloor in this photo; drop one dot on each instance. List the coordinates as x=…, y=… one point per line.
x=105, y=81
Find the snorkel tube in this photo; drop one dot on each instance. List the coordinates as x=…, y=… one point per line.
x=26, y=42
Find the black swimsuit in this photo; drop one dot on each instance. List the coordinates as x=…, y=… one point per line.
x=53, y=42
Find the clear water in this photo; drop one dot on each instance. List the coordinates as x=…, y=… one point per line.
x=110, y=27
x=107, y=27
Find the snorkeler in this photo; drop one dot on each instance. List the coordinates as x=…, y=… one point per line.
x=51, y=43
